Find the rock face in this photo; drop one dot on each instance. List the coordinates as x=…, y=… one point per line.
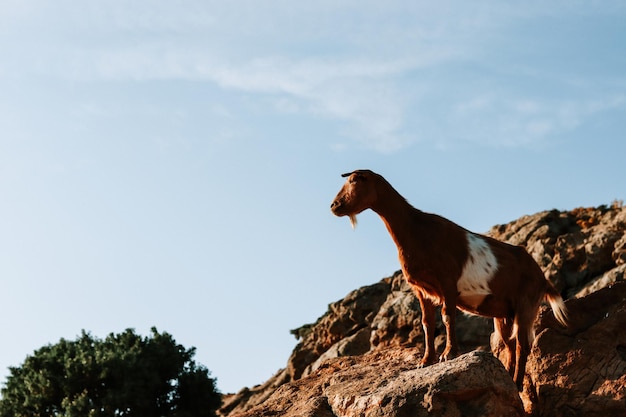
x=377, y=330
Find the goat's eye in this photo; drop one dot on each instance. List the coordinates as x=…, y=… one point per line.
x=357, y=178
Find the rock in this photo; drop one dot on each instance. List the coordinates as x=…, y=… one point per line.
x=343, y=319
x=356, y=344
x=619, y=253
x=398, y=320
x=247, y=398
x=581, y=370
x=572, y=247
x=388, y=383
x=611, y=277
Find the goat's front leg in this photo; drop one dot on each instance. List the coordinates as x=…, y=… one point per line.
x=448, y=316
x=428, y=324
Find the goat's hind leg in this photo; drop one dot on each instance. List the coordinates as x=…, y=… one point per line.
x=524, y=338
x=448, y=316
x=504, y=329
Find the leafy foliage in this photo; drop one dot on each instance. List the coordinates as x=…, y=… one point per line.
x=123, y=375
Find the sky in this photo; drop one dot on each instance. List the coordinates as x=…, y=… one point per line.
x=172, y=163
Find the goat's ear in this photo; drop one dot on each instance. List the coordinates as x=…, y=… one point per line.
x=357, y=175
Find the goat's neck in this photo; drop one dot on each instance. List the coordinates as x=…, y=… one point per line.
x=397, y=214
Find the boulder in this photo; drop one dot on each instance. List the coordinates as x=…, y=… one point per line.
x=581, y=370
x=389, y=383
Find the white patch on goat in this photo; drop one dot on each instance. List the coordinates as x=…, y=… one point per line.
x=480, y=267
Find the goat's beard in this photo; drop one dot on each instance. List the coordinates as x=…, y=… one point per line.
x=353, y=220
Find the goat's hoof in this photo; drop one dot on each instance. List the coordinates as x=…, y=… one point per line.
x=426, y=362
x=446, y=357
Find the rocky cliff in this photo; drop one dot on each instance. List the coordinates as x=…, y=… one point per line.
x=360, y=358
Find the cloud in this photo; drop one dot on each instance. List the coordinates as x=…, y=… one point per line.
x=494, y=120
x=363, y=94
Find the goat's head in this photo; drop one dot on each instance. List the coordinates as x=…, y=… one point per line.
x=357, y=194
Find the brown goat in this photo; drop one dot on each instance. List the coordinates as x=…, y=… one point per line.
x=448, y=265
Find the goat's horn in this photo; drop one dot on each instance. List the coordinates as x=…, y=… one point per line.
x=347, y=174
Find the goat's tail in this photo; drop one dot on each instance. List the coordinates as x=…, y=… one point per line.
x=557, y=304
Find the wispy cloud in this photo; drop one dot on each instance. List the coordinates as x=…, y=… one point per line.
x=361, y=93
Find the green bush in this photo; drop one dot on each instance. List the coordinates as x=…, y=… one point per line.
x=123, y=375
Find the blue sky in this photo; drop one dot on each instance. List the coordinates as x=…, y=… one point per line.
x=172, y=163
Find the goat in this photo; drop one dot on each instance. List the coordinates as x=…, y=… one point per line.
x=450, y=266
